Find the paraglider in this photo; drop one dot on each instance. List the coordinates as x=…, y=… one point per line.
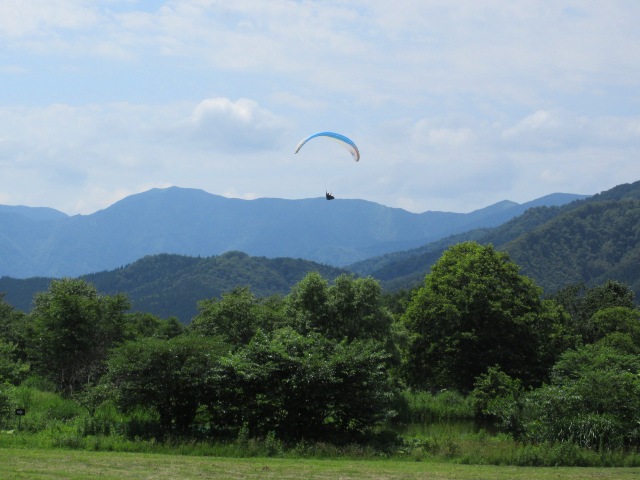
x=344, y=141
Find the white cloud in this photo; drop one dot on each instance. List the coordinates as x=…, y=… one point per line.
x=238, y=126
x=454, y=104
x=42, y=18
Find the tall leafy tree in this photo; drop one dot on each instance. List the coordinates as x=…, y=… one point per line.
x=237, y=316
x=583, y=303
x=73, y=328
x=14, y=327
x=475, y=311
x=166, y=376
x=351, y=308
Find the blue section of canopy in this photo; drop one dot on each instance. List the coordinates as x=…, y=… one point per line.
x=345, y=141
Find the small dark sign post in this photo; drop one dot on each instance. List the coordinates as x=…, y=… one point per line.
x=20, y=413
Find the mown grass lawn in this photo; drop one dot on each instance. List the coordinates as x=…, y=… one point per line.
x=72, y=464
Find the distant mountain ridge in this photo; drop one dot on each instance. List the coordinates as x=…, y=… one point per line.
x=589, y=240
x=44, y=242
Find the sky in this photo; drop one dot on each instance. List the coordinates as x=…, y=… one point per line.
x=454, y=104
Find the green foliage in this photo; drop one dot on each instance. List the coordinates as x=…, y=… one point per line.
x=426, y=406
x=591, y=318
x=350, y=308
x=594, y=400
x=147, y=325
x=43, y=409
x=492, y=385
x=302, y=387
x=13, y=327
x=237, y=316
x=7, y=404
x=497, y=396
x=168, y=376
x=73, y=329
x=476, y=311
x=12, y=369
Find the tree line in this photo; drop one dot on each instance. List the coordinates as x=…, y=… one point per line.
x=332, y=361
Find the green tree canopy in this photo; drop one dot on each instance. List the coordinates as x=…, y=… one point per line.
x=168, y=376
x=475, y=311
x=351, y=308
x=303, y=386
x=237, y=316
x=582, y=303
x=73, y=329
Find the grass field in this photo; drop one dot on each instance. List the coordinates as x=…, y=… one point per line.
x=67, y=464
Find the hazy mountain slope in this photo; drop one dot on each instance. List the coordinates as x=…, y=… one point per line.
x=595, y=242
x=193, y=222
x=33, y=213
x=413, y=264
x=591, y=240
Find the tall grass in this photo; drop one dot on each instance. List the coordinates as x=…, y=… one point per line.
x=445, y=405
x=54, y=422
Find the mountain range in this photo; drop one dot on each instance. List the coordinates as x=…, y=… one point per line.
x=46, y=242
x=589, y=240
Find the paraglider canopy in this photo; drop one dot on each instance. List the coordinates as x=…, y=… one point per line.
x=345, y=141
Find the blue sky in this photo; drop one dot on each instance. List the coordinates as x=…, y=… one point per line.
x=454, y=104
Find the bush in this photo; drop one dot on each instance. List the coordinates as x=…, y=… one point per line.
x=7, y=404
x=44, y=408
x=425, y=406
x=599, y=411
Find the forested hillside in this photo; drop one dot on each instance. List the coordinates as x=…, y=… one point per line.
x=589, y=241
x=593, y=243
x=172, y=285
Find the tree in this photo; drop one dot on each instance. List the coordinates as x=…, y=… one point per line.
x=351, y=308
x=148, y=325
x=237, y=316
x=13, y=327
x=73, y=329
x=167, y=376
x=308, y=303
x=303, y=387
x=476, y=311
x=583, y=303
x=611, y=320
x=12, y=369
x=593, y=400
